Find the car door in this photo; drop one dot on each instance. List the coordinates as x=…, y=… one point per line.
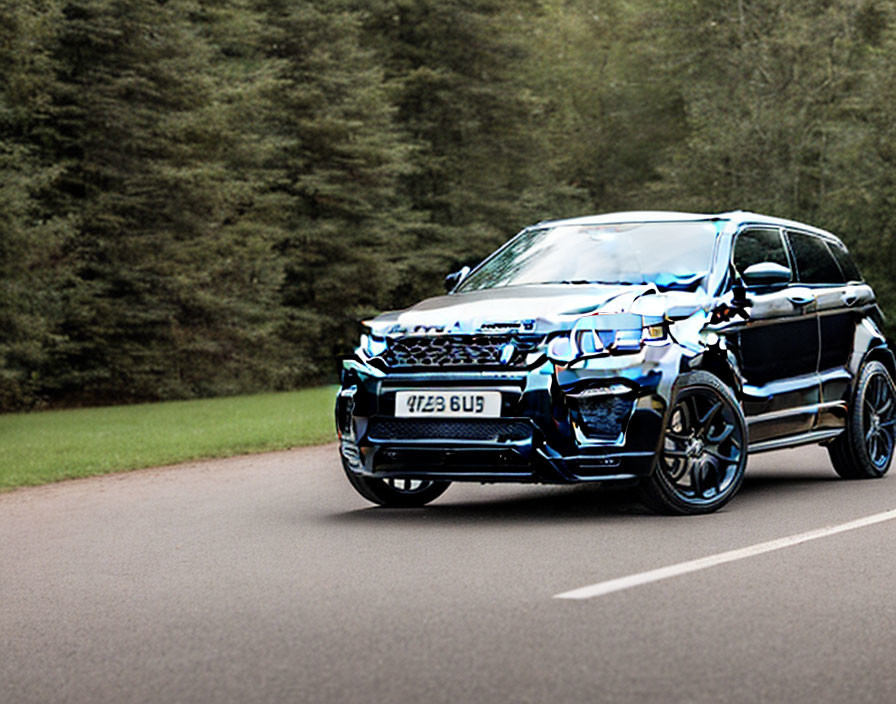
x=824, y=265
x=777, y=347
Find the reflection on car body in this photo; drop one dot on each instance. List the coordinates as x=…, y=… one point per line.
x=650, y=348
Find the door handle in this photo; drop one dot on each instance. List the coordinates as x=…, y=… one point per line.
x=800, y=299
x=849, y=298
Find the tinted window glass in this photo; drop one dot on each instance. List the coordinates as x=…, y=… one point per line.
x=814, y=262
x=755, y=246
x=847, y=265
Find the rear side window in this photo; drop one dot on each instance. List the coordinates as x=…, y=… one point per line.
x=755, y=246
x=814, y=262
x=847, y=265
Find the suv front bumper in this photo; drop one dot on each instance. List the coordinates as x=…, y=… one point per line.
x=597, y=420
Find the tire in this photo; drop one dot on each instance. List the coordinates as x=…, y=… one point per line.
x=865, y=449
x=703, y=453
x=395, y=493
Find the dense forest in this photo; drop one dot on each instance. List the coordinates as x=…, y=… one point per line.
x=203, y=197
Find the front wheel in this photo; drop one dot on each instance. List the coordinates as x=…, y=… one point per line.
x=396, y=493
x=700, y=464
x=865, y=450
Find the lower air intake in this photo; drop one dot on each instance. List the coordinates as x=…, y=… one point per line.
x=448, y=429
x=604, y=417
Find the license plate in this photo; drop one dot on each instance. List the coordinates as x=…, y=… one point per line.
x=448, y=404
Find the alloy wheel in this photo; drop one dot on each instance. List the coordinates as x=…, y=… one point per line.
x=702, y=446
x=879, y=418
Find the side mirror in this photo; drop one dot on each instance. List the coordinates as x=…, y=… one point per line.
x=454, y=279
x=766, y=274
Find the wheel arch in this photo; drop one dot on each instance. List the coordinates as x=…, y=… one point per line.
x=720, y=365
x=883, y=354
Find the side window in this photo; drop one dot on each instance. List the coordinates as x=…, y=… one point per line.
x=814, y=262
x=754, y=246
x=847, y=265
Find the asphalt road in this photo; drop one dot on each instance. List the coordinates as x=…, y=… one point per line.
x=266, y=579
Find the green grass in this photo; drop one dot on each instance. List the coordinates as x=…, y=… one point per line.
x=37, y=448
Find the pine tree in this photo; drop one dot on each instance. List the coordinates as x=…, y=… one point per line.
x=610, y=109
x=858, y=200
x=763, y=83
x=332, y=177
x=146, y=309
x=477, y=172
x=29, y=235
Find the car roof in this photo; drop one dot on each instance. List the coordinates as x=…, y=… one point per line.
x=734, y=218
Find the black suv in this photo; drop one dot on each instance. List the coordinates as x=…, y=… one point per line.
x=654, y=348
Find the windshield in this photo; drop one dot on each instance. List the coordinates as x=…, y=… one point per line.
x=668, y=254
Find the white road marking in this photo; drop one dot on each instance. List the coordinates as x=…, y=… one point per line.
x=636, y=580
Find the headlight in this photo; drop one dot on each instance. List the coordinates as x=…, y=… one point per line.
x=606, y=334
x=654, y=332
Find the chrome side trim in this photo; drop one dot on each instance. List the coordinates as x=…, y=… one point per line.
x=798, y=411
x=605, y=478
x=752, y=323
x=815, y=436
x=782, y=386
x=844, y=309
x=834, y=373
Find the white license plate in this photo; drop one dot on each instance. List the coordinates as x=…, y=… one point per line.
x=448, y=404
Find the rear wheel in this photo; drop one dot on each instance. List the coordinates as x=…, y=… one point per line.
x=865, y=450
x=701, y=462
x=396, y=493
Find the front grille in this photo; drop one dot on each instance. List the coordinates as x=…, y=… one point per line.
x=448, y=429
x=604, y=417
x=458, y=351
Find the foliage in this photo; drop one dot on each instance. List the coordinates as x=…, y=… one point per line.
x=203, y=197
x=29, y=233
x=333, y=177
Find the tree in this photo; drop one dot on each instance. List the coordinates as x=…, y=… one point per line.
x=859, y=197
x=763, y=83
x=477, y=171
x=28, y=234
x=332, y=175
x=147, y=308
x=611, y=105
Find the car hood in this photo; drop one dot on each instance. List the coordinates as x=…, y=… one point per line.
x=530, y=308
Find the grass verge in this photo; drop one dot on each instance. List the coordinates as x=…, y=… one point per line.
x=38, y=448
